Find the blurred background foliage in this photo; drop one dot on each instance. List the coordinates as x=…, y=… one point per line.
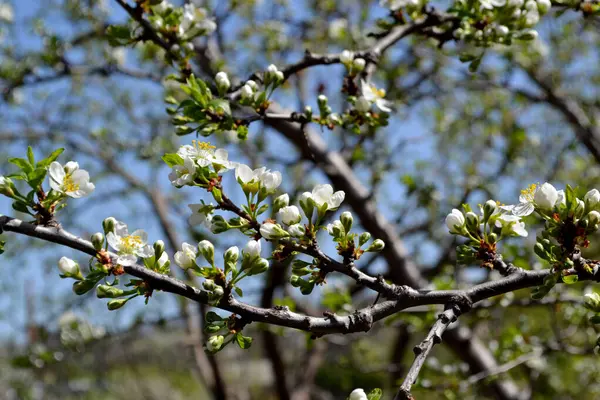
x=454, y=137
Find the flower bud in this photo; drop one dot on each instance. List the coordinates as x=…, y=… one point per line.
x=218, y=224
x=223, y=83
x=69, y=268
x=308, y=112
x=543, y=6
x=592, y=301
x=97, y=240
x=594, y=217
x=472, y=220
x=455, y=221
x=290, y=215
x=322, y=100
x=488, y=209
x=272, y=231
x=362, y=104
x=84, y=286
x=579, y=209
x=252, y=249
x=546, y=196
x=358, y=394
x=346, y=57
x=208, y=251
x=363, y=238
x=527, y=35
x=247, y=93
x=347, y=220
x=259, y=266
x=116, y=304
x=279, y=77
x=358, y=65
x=159, y=248
x=231, y=255
x=253, y=85
x=592, y=198
x=336, y=229
x=110, y=292
x=109, y=224
x=214, y=343
x=376, y=246
x=7, y=187
x=307, y=204
x=209, y=285
x=280, y=202
x=296, y=230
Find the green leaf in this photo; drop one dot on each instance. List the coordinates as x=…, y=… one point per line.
x=21, y=207
x=50, y=159
x=474, y=65
x=21, y=163
x=570, y=279
x=2, y=243
x=570, y=197
x=243, y=341
x=238, y=290
x=594, y=320
x=30, y=156
x=212, y=316
x=118, y=35
x=375, y=394
x=172, y=159
x=220, y=104
x=36, y=177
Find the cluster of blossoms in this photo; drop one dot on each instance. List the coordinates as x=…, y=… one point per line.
x=251, y=94
x=499, y=21
x=189, y=21
x=568, y=222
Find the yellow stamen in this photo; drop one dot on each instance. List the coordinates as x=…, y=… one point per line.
x=529, y=192
x=131, y=242
x=202, y=145
x=69, y=185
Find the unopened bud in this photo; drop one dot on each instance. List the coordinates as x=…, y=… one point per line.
x=214, y=343
x=363, y=238
x=110, y=292
x=347, y=220
x=97, y=240
x=488, y=209
x=280, y=202
x=109, y=224
x=116, y=304
x=592, y=301
x=159, y=248
x=376, y=246
x=358, y=65
x=208, y=251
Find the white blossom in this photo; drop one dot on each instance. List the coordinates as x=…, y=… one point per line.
x=247, y=92
x=374, y=95
x=266, y=178
x=511, y=225
x=323, y=194
x=182, y=175
x=490, y=4
x=544, y=196
x=201, y=214
x=186, y=257
x=397, y=4
x=70, y=180
x=543, y=6
x=129, y=246
x=204, y=154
